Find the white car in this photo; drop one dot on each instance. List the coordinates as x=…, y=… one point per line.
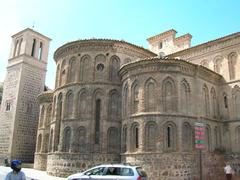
x=111, y=172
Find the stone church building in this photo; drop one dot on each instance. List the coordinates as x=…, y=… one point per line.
x=115, y=102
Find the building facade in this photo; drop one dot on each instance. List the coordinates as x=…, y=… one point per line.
x=117, y=102
x=24, y=80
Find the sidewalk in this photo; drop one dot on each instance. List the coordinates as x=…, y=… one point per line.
x=31, y=174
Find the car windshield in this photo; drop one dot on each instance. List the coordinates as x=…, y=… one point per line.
x=141, y=172
x=95, y=171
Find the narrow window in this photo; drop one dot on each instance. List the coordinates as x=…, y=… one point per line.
x=15, y=49
x=19, y=47
x=160, y=45
x=225, y=102
x=136, y=137
x=33, y=47
x=97, y=121
x=40, y=51
x=168, y=137
x=8, y=106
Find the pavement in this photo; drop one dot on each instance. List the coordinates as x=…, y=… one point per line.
x=31, y=174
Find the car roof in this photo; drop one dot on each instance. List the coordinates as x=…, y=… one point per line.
x=117, y=165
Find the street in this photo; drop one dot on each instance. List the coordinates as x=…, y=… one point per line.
x=31, y=174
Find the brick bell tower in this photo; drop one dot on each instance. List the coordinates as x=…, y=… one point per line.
x=24, y=81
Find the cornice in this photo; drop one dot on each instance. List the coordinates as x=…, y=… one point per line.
x=224, y=42
x=100, y=45
x=45, y=97
x=32, y=31
x=183, y=38
x=170, y=65
x=162, y=35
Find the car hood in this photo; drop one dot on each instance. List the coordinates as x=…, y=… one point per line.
x=77, y=175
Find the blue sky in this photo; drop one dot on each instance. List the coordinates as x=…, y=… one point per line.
x=130, y=20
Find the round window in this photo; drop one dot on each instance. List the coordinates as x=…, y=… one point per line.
x=100, y=67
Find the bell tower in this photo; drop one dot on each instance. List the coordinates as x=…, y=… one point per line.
x=24, y=81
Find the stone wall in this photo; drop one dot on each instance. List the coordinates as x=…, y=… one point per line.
x=8, y=116
x=26, y=119
x=178, y=166
x=64, y=164
x=40, y=161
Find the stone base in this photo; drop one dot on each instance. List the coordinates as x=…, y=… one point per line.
x=64, y=164
x=178, y=166
x=40, y=161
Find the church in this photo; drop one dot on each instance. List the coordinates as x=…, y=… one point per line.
x=116, y=102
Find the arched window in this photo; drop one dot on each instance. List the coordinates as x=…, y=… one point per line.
x=45, y=143
x=98, y=101
x=213, y=103
x=97, y=120
x=33, y=47
x=169, y=95
x=218, y=64
x=42, y=116
x=113, y=140
x=63, y=73
x=187, y=137
x=85, y=68
x=39, y=144
x=150, y=95
x=125, y=100
x=40, y=50
x=82, y=104
x=114, y=68
x=185, y=96
x=72, y=70
x=135, y=98
x=124, y=139
x=49, y=116
x=135, y=137
x=205, y=100
x=169, y=136
x=82, y=143
x=69, y=104
x=225, y=100
x=114, y=106
x=66, y=139
x=232, y=60
x=151, y=136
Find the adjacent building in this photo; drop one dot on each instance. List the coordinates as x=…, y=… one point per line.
x=24, y=80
